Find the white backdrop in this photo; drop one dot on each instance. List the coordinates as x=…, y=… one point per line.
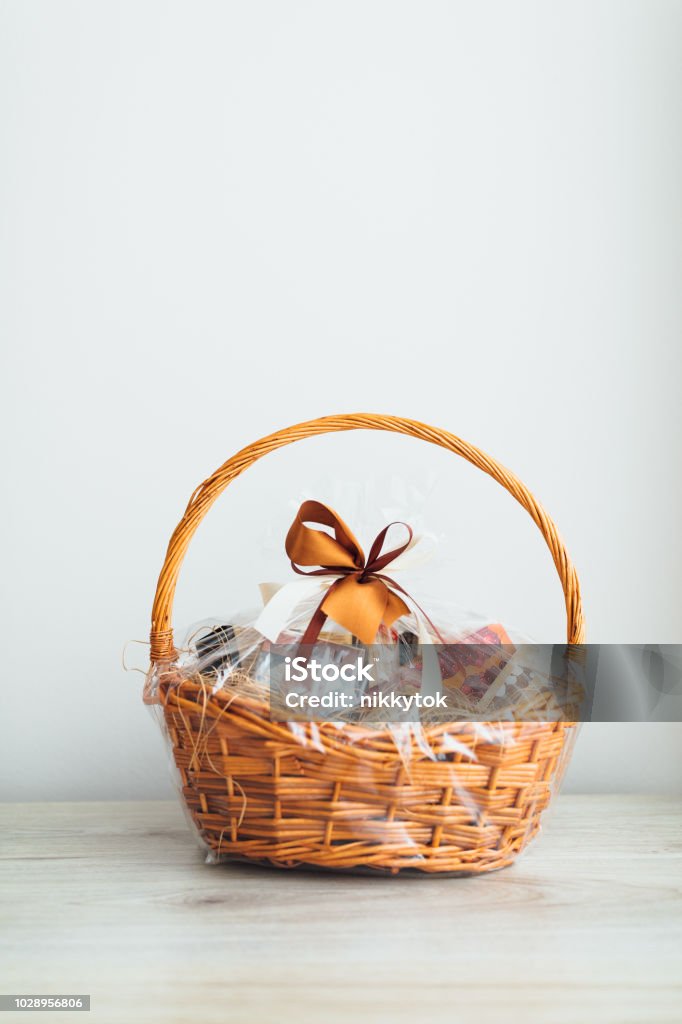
x=220, y=218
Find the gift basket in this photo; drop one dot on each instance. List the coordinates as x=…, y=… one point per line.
x=427, y=794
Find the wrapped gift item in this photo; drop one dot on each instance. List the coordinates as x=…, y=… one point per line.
x=448, y=748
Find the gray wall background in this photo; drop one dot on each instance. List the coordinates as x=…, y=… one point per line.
x=220, y=218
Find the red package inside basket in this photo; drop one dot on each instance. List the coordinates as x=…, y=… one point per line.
x=466, y=666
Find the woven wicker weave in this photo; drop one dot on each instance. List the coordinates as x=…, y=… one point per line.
x=349, y=799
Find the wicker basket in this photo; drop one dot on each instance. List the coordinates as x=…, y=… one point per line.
x=350, y=800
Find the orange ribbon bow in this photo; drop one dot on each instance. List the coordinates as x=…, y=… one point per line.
x=362, y=598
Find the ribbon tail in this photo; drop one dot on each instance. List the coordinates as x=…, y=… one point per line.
x=418, y=552
x=281, y=607
x=418, y=612
x=314, y=627
x=357, y=606
x=425, y=628
x=395, y=608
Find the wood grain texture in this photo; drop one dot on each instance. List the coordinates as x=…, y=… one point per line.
x=115, y=900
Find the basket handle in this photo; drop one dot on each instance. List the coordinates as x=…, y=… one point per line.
x=161, y=635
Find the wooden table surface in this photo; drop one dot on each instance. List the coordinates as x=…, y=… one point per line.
x=113, y=899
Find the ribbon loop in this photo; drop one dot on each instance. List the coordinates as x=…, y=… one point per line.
x=376, y=561
x=304, y=546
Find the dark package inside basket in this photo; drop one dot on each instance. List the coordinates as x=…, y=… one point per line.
x=424, y=792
